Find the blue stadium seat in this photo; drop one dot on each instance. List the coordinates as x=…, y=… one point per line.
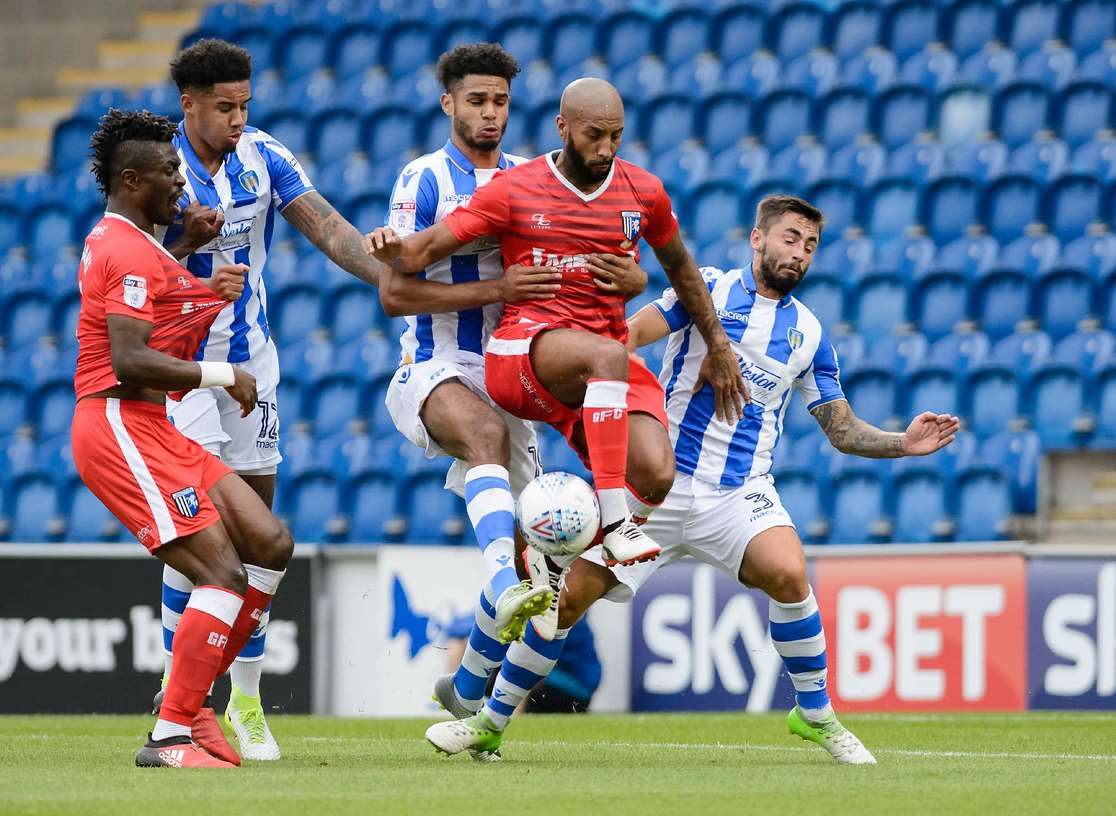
x=1104, y=408
x=850, y=257
x=898, y=353
x=87, y=518
x=27, y=318
x=713, y=209
x=890, y=208
x=1016, y=452
x=871, y=393
x=842, y=116
x=1094, y=252
x=435, y=516
x=11, y=228
x=940, y=302
x=52, y=408
x=969, y=24
x=351, y=311
x=722, y=120
x=570, y=40
x=804, y=161
x=1030, y=23
x=669, y=122
x=964, y=113
x=756, y=74
x=933, y=67
x=352, y=452
x=682, y=167
x=332, y=402
x=738, y=32
x=931, y=389
x=367, y=211
x=991, y=399
x=389, y=135
x=1051, y=66
x=1073, y=202
x=920, y=160
x=1063, y=297
x=301, y=50
x=42, y=361
x=849, y=346
x=49, y=231
x=19, y=453
x=312, y=504
x=1056, y=402
x=872, y=70
x=1020, y=109
x=838, y=200
x=992, y=67
x=983, y=505
x=949, y=207
x=1001, y=299
x=300, y=451
x=859, y=507
x=625, y=37
x=781, y=118
x=921, y=513
x=70, y=142
x=407, y=46
x=814, y=73
x=901, y=113
x=682, y=35
x=289, y=128
x=310, y=358
x=1096, y=157
x=825, y=296
x=745, y=162
x=1022, y=351
x=972, y=253
x=460, y=30
x=861, y=162
x=799, y=491
x=66, y=311
x=642, y=79
x=372, y=507
x=335, y=133
x=795, y=29
x=1100, y=64
x=1010, y=204
x=1106, y=299
x=854, y=26
x=374, y=409
x=296, y=312
x=1088, y=24
x=1032, y=253
x=1042, y=157
x=521, y=36
x=257, y=41
x=909, y=25
x=960, y=351
x=355, y=49
x=34, y=507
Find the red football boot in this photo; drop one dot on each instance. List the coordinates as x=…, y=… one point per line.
x=208, y=734
x=176, y=752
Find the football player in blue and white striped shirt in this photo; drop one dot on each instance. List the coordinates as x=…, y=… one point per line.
x=723, y=508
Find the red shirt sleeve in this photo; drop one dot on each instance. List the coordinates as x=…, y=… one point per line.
x=487, y=213
x=663, y=221
x=133, y=279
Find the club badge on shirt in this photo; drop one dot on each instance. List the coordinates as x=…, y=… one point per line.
x=135, y=291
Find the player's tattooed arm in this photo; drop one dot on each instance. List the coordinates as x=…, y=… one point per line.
x=408, y=295
x=330, y=232
x=850, y=434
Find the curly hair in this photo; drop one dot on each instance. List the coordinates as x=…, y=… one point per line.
x=484, y=59
x=209, y=61
x=119, y=142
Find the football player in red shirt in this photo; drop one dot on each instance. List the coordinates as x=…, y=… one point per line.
x=141, y=321
x=563, y=360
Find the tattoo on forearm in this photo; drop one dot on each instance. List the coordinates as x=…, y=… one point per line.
x=316, y=218
x=850, y=434
x=691, y=289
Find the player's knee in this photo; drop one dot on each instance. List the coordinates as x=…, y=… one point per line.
x=608, y=361
x=787, y=582
x=228, y=574
x=655, y=475
x=488, y=442
x=277, y=546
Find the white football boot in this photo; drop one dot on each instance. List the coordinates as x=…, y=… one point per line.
x=627, y=544
x=545, y=572
x=841, y=743
x=517, y=605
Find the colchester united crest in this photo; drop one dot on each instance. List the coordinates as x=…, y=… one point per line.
x=250, y=181
x=795, y=338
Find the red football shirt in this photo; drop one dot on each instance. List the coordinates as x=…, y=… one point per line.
x=541, y=219
x=125, y=271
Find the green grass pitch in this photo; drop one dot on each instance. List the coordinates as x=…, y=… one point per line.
x=632, y=764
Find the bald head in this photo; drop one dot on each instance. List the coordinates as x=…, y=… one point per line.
x=591, y=124
x=590, y=98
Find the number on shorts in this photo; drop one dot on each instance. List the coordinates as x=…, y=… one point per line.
x=269, y=429
x=536, y=457
x=762, y=502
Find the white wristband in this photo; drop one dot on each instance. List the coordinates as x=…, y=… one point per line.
x=217, y=374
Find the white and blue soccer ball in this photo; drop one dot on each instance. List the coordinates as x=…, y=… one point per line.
x=557, y=514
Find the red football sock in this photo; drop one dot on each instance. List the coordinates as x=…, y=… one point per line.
x=199, y=648
x=604, y=414
x=255, y=602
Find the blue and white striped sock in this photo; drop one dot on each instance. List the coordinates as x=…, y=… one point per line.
x=528, y=662
x=488, y=498
x=796, y=632
x=483, y=654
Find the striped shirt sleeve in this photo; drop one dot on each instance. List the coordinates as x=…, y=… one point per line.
x=288, y=179
x=821, y=382
x=414, y=202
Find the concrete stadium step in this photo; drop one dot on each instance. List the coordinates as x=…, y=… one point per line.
x=14, y=166
x=78, y=80
x=43, y=111
x=118, y=55
x=24, y=142
x=168, y=25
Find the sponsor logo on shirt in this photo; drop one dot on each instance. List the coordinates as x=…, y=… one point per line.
x=135, y=291
x=543, y=258
x=761, y=383
x=402, y=216
x=234, y=235
x=539, y=221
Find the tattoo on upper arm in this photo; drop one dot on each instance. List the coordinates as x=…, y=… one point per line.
x=850, y=434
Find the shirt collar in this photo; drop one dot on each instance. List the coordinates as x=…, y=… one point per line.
x=193, y=163
x=460, y=159
x=749, y=281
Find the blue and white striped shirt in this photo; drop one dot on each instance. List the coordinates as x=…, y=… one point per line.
x=427, y=190
x=254, y=181
x=780, y=346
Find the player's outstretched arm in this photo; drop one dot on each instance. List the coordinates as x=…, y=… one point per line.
x=330, y=232
x=407, y=295
x=927, y=433
x=135, y=363
x=720, y=367
x=411, y=254
x=645, y=327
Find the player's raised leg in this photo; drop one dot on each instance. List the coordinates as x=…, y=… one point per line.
x=775, y=563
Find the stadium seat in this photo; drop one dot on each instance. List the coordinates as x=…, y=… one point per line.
x=1104, y=408
x=1094, y=252
x=920, y=510
x=899, y=353
x=682, y=35
x=931, y=389
x=715, y=208
x=682, y=167
x=1106, y=300
x=804, y=161
x=625, y=37
x=301, y=50
x=795, y=29
x=372, y=507
x=460, y=30
x=1051, y=66
x=969, y=24
x=333, y=402
x=825, y=296
x=1001, y=299
x=1072, y=203
x=19, y=452
x=300, y=451
x=354, y=50
x=374, y=409
x=11, y=228
x=781, y=118
x=849, y=257
x=257, y=41
x=49, y=231
x=1083, y=110
x=353, y=451
x=1016, y=452
x=861, y=162
x=756, y=74
x=745, y=163
x=69, y=148
x=960, y=351
x=1088, y=24
x=367, y=211
x=854, y=27
x=1042, y=158
x=34, y=507
x=521, y=36
x=901, y=113
x=814, y=73
x=87, y=518
x=933, y=67
x=1063, y=297
x=1010, y=204
x=940, y=301
x=407, y=46
x=1096, y=157
x=992, y=67
x=871, y=393
x=983, y=505
x=1033, y=253
x=1100, y=65
x=1056, y=403
x=570, y=40
x=312, y=505
x=890, y=208
x=738, y=32
x=434, y=515
x=842, y=116
x=1031, y=23
x=66, y=311
x=351, y=311
x=799, y=492
x=909, y=25
x=27, y=318
x=949, y=207
x=296, y=313
x=964, y=113
x=872, y=70
x=334, y=133
x=1019, y=111
x=289, y=129
x=970, y=254
x=52, y=408
x=669, y=122
x=920, y=160
x=991, y=399
x=389, y=135
x=859, y=508
x=722, y=120
x=849, y=346
x=1022, y=351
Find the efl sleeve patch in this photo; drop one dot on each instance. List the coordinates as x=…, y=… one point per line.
x=135, y=291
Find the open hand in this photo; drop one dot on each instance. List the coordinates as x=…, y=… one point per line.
x=721, y=370
x=617, y=273
x=529, y=283
x=929, y=432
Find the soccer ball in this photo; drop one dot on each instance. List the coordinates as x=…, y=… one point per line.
x=558, y=514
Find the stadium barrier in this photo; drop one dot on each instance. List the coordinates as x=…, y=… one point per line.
x=361, y=631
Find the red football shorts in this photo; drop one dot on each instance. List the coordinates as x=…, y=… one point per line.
x=152, y=478
x=511, y=383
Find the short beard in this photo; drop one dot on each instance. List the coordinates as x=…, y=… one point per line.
x=769, y=271
x=583, y=173
x=462, y=131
